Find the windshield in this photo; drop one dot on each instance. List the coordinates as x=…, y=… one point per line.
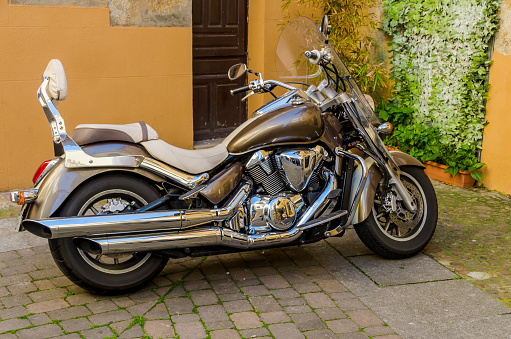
x=301, y=34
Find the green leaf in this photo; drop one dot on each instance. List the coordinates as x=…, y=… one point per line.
x=477, y=175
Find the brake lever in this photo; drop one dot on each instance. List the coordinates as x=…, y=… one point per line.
x=248, y=95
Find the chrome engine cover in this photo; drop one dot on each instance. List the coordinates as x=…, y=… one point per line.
x=298, y=165
x=277, y=212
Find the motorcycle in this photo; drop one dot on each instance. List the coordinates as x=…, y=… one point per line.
x=116, y=202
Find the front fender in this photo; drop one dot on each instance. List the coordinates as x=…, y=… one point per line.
x=374, y=176
x=55, y=188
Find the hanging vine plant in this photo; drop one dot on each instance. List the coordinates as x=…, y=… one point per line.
x=439, y=66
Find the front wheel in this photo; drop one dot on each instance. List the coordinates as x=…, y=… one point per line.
x=107, y=274
x=401, y=236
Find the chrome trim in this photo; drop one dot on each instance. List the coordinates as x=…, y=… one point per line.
x=173, y=174
x=24, y=196
x=136, y=222
x=351, y=214
x=203, y=237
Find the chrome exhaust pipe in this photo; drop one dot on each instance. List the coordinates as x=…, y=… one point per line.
x=173, y=220
x=198, y=237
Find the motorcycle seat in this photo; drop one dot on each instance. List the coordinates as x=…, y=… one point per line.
x=191, y=161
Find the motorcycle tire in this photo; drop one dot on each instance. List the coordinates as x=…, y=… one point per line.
x=394, y=238
x=108, y=275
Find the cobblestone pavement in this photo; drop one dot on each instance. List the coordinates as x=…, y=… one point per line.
x=473, y=237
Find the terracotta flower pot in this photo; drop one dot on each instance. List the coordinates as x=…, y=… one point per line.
x=436, y=171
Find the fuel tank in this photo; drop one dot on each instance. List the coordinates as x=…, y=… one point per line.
x=289, y=124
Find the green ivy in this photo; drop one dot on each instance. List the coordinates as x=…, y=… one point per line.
x=439, y=66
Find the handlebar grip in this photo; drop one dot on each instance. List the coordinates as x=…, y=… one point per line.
x=240, y=90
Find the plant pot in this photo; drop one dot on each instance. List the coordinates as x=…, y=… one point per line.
x=436, y=171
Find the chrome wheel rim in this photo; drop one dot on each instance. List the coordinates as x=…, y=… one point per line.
x=117, y=263
x=399, y=229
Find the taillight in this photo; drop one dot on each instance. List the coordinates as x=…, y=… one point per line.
x=43, y=169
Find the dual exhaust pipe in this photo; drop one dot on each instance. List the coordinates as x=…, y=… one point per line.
x=174, y=229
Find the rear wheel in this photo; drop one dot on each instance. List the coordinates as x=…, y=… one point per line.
x=404, y=234
x=107, y=274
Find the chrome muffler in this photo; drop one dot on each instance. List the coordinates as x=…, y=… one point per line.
x=198, y=237
x=173, y=220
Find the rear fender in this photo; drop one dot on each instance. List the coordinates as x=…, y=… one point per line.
x=60, y=182
x=374, y=176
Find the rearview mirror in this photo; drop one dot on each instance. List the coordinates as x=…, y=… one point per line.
x=236, y=71
x=325, y=27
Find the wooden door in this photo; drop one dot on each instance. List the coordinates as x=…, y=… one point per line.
x=219, y=41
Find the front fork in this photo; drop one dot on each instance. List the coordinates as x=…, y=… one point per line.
x=401, y=191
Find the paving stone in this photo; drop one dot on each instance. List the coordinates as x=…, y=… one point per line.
x=330, y=313
x=244, y=320
x=185, y=318
x=255, y=332
x=217, y=325
x=397, y=272
x=190, y=330
x=224, y=286
x=274, y=317
x=318, y=300
x=224, y=334
x=102, y=306
x=292, y=302
x=342, y=326
x=179, y=305
x=109, y=317
x=158, y=312
x=274, y=281
x=14, y=279
x=342, y=296
x=27, y=268
x=69, y=336
x=306, y=288
x=308, y=321
x=45, y=331
x=98, y=333
x=159, y=328
x=48, y=294
x=314, y=270
x=120, y=326
x=248, y=282
x=140, y=309
x=331, y=286
x=195, y=275
x=134, y=332
x=264, y=271
x=13, y=312
x=196, y=285
x=8, y=255
x=297, y=309
x=351, y=304
x=63, y=282
x=285, y=331
x=212, y=313
x=285, y=293
x=16, y=300
x=354, y=335
x=237, y=306
x=265, y=304
x=255, y=290
x=123, y=301
x=23, y=287
x=320, y=334
x=13, y=324
x=47, y=306
x=69, y=313
x=144, y=297
x=365, y=318
x=4, y=292
x=80, y=299
x=218, y=276
x=204, y=297
x=232, y=296
x=73, y=325
x=296, y=277
x=45, y=274
x=177, y=291
x=39, y=319
x=380, y=330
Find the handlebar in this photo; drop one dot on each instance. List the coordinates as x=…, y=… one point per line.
x=240, y=90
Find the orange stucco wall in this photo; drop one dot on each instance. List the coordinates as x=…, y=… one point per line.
x=497, y=137
x=115, y=75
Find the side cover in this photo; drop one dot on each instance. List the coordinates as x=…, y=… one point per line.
x=61, y=181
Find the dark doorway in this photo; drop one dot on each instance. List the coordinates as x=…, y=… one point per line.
x=219, y=41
